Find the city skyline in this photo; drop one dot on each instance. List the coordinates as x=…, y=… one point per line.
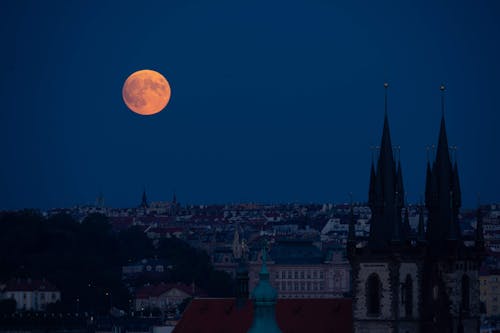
x=270, y=102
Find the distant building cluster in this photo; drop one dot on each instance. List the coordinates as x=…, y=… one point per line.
x=30, y=295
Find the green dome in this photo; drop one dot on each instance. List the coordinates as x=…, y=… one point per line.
x=264, y=293
x=264, y=296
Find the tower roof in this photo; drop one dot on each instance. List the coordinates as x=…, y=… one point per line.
x=386, y=187
x=264, y=293
x=443, y=195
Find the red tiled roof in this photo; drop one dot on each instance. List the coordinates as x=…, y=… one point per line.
x=213, y=315
x=29, y=285
x=157, y=290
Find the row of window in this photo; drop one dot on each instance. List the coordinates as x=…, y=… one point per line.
x=374, y=291
x=302, y=286
x=42, y=296
x=299, y=274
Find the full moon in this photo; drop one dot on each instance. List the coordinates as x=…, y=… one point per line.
x=146, y=92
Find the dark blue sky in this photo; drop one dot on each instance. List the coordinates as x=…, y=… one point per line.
x=272, y=101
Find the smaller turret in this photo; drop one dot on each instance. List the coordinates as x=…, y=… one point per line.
x=421, y=228
x=264, y=297
x=144, y=201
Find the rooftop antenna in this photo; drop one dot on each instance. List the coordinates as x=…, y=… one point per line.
x=386, y=85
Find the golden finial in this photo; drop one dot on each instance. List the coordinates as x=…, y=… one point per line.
x=442, y=87
x=386, y=84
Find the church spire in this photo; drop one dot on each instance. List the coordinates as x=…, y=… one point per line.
x=421, y=229
x=443, y=199
x=264, y=296
x=385, y=181
x=144, y=201
x=406, y=225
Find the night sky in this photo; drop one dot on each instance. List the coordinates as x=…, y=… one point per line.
x=272, y=101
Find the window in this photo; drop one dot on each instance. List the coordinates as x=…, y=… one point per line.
x=296, y=274
x=315, y=274
x=277, y=275
x=407, y=295
x=296, y=286
x=283, y=286
x=308, y=274
x=373, y=287
x=465, y=293
x=283, y=275
x=320, y=274
x=302, y=286
x=289, y=274
x=302, y=274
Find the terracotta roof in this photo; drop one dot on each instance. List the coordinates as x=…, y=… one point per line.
x=220, y=315
x=29, y=285
x=157, y=290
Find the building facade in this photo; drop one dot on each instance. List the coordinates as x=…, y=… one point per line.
x=31, y=295
x=298, y=269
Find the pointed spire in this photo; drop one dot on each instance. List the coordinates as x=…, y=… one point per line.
x=421, y=229
x=406, y=225
x=396, y=233
x=386, y=85
x=400, y=185
x=428, y=185
x=452, y=232
x=443, y=197
x=144, y=201
x=385, y=223
x=264, y=296
x=442, y=88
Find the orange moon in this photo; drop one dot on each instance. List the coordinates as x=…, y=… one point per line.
x=146, y=92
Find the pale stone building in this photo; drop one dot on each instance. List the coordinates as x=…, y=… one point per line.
x=31, y=295
x=298, y=269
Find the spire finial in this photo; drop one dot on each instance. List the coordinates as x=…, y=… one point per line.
x=443, y=89
x=386, y=85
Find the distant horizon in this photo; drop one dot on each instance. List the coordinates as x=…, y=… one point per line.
x=184, y=204
x=270, y=101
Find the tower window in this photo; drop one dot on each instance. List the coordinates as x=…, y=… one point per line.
x=465, y=293
x=373, y=294
x=407, y=295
